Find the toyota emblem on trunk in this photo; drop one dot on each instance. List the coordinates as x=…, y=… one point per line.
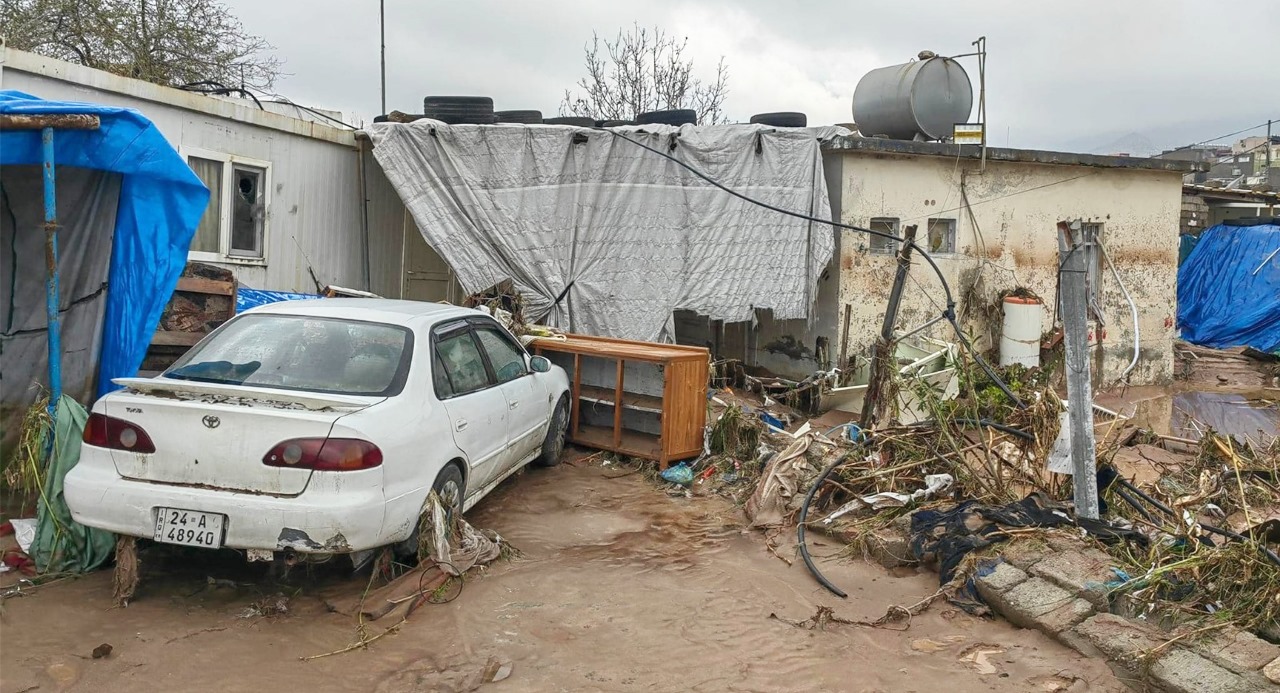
x=211, y=422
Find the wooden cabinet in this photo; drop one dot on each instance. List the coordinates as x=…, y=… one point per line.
x=635, y=398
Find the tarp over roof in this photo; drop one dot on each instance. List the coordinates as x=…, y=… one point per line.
x=160, y=205
x=1229, y=288
x=603, y=237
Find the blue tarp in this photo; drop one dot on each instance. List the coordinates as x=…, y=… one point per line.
x=1229, y=289
x=160, y=205
x=252, y=298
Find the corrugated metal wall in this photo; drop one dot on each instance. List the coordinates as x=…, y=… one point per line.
x=314, y=217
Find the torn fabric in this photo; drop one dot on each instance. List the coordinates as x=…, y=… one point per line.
x=603, y=237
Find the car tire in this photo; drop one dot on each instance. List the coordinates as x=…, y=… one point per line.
x=571, y=120
x=526, y=117
x=459, y=110
x=785, y=119
x=557, y=435
x=679, y=116
x=449, y=478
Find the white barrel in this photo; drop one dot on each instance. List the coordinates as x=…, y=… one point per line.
x=1020, y=338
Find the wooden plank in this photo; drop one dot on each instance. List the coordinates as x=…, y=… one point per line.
x=577, y=394
x=176, y=338
x=630, y=400
x=620, y=348
x=40, y=121
x=633, y=443
x=617, y=410
x=206, y=286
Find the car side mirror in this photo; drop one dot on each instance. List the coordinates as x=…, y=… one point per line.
x=539, y=364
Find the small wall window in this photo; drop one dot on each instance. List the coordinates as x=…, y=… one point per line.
x=880, y=244
x=942, y=236
x=234, y=225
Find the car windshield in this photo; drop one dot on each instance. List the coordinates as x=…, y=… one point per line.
x=293, y=352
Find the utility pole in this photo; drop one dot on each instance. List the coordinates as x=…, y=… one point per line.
x=382, y=29
x=1073, y=298
x=1268, y=150
x=882, y=353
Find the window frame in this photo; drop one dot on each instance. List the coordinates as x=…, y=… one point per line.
x=953, y=231
x=505, y=336
x=229, y=162
x=447, y=330
x=896, y=230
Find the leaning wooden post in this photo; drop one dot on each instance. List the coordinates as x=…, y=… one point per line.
x=1073, y=299
x=882, y=352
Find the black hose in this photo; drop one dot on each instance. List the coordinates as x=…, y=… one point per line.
x=804, y=516
x=1271, y=555
x=949, y=313
x=998, y=426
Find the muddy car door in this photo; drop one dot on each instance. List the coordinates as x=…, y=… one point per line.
x=476, y=406
x=527, y=413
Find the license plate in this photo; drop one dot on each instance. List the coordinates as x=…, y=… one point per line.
x=189, y=528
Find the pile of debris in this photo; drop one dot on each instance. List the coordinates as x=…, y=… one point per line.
x=1193, y=529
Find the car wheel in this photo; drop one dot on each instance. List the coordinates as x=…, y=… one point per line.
x=452, y=489
x=557, y=433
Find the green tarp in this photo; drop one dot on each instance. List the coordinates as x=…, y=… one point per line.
x=61, y=545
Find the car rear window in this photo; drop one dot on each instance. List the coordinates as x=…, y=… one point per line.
x=291, y=352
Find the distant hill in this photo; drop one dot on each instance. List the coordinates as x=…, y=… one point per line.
x=1133, y=144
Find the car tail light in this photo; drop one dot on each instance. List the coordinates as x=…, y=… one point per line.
x=324, y=454
x=116, y=434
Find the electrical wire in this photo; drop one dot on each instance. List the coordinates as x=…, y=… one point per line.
x=949, y=313
x=1211, y=139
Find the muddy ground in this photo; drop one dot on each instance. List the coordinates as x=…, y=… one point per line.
x=621, y=588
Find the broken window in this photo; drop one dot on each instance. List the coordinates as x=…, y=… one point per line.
x=248, y=212
x=880, y=244
x=234, y=224
x=209, y=232
x=942, y=236
x=462, y=363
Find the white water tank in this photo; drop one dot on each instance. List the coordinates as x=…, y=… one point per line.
x=1020, y=338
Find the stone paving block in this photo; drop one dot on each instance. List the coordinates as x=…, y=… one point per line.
x=1118, y=638
x=1024, y=553
x=1039, y=604
x=1272, y=671
x=1000, y=580
x=1083, y=572
x=1236, y=649
x=890, y=547
x=1182, y=671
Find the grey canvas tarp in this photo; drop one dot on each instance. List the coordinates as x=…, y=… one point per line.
x=87, y=202
x=603, y=237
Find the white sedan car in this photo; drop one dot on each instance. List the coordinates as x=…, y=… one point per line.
x=318, y=427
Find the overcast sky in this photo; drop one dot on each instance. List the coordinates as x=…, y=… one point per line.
x=1079, y=75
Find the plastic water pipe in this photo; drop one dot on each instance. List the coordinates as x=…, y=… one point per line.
x=1133, y=310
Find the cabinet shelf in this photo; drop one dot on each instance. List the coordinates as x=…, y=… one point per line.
x=662, y=409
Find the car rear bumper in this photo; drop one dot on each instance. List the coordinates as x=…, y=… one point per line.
x=314, y=522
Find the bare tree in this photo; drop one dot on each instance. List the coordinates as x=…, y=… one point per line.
x=171, y=42
x=644, y=70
